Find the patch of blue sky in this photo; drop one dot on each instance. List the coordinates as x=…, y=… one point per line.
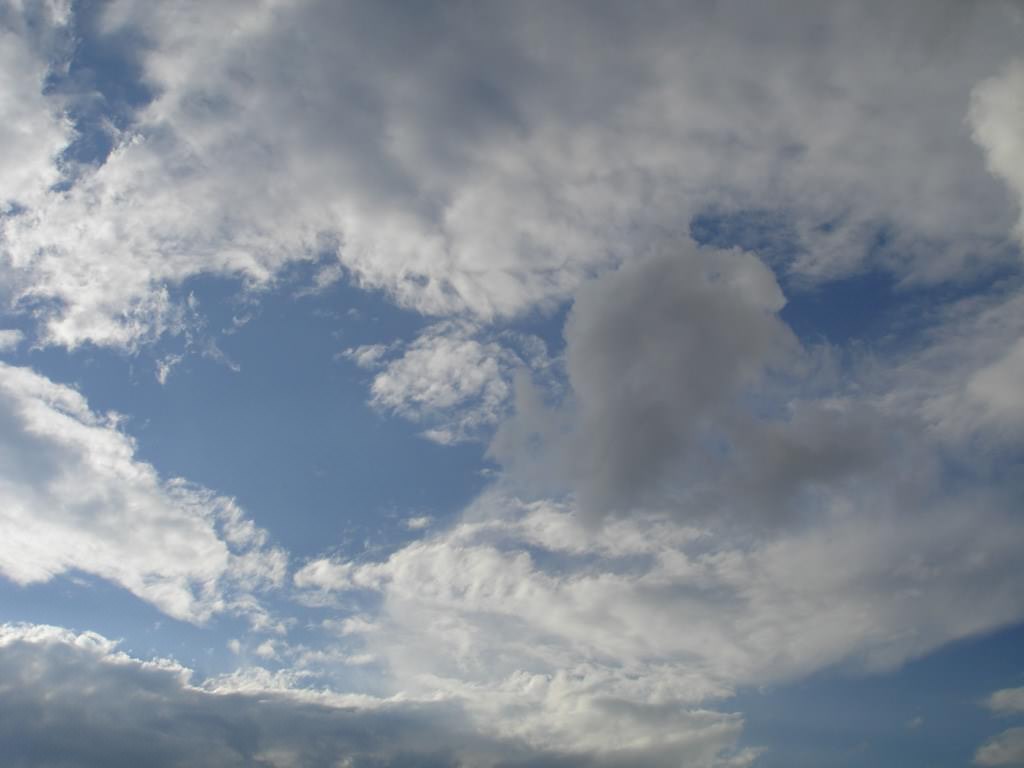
x=289, y=434
x=926, y=714
x=83, y=602
x=105, y=78
x=870, y=306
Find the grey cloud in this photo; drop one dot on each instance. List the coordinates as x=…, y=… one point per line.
x=997, y=117
x=681, y=378
x=657, y=354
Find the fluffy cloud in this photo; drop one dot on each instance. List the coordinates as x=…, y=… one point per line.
x=997, y=116
x=686, y=391
x=73, y=497
x=488, y=161
x=1005, y=749
x=451, y=378
x=34, y=130
x=1007, y=701
x=74, y=699
x=562, y=633
x=446, y=370
x=658, y=353
x=957, y=376
x=10, y=339
x=996, y=388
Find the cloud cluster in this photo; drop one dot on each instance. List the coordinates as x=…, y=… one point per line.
x=1008, y=701
x=1006, y=748
x=34, y=130
x=74, y=498
x=487, y=161
x=452, y=379
x=735, y=509
x=74, y=699
x=558, y=632
x=687, y=392
x=704, y=503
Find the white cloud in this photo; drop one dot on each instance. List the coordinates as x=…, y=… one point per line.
x=266, y=650
x=452, y=379
x=958, y=378
x=367, y=356
x=491, y=164
x=775, y=513
x=1007, y=701
x=73, y=497
x=997, y=117
x=34, y=130
x=1005, y=749
x=74, y=698
x=10, y=339
x=997, y=388
x=563, y=633
x=324, y=575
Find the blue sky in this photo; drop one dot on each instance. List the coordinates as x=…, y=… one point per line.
x=573, y=384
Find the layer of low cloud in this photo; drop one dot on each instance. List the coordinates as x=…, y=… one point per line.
x=74, y=699
x=73, y=497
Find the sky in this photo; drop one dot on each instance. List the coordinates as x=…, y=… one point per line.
x=511, y=384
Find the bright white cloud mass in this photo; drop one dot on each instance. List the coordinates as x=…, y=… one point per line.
x=511, y=384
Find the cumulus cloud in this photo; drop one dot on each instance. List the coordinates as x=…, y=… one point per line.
x=703, y=508
x=957, y=378
x=1007, y=701
x=997, y=117
x=34, y=130
x=558, y=632
x=453, y=378
x=74, y=497
x=10, y=339
x=996, y=388
x=1005, y=749
x=74, y=699
x=490, y=160
x=686, y=391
